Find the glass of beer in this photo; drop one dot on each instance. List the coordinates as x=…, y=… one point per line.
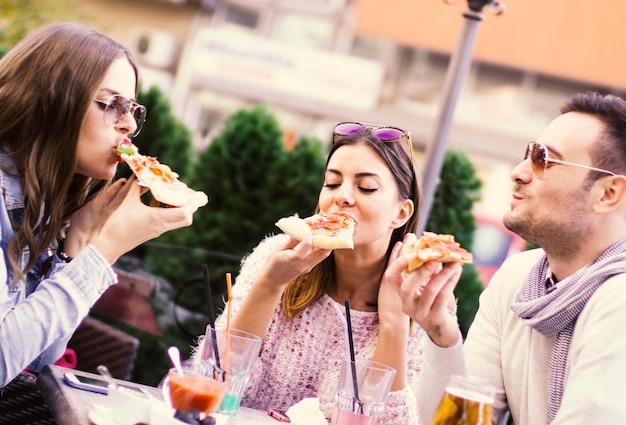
x=465, y=402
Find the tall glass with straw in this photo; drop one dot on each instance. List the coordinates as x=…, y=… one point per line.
x=363, y=386
x=229, y=355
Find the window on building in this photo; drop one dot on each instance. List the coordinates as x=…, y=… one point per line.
x=549, y=95
x=495, y=95
x=422, y=76
x=237, y=15
x=304, y=31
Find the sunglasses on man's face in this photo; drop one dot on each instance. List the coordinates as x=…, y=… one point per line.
x=387, y=134
x=118, y=106
x=539, y=158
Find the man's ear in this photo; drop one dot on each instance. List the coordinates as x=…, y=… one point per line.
x=611, y=193
x=404, y=213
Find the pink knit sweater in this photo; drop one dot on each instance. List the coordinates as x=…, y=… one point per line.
x=300, y=357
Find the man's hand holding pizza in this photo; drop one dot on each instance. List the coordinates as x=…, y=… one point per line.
x=427, y=291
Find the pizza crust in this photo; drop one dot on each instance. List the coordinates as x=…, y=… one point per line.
x=294, y=226
x=298, y=228
x=177, y=195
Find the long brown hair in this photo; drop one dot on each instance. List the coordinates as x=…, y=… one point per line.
x=307, y=288
x=47, y=83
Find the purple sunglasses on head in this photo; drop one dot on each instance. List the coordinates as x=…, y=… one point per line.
x=387, y=134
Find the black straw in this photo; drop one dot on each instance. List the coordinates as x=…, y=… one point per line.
x=351, y=347
x=207, y=286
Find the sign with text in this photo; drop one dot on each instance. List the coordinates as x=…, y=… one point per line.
x=241, y=62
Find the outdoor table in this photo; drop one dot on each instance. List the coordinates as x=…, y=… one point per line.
x=71, y=406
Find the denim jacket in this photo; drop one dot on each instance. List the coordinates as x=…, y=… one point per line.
x=39, y=314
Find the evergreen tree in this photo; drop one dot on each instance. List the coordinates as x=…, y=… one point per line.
x=251, y=181
x=296, y=187
x=451, y=213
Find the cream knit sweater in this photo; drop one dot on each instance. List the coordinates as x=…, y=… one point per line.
x=514, y=357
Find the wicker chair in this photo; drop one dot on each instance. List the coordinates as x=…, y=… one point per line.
x=95, y=343
x=21, y=403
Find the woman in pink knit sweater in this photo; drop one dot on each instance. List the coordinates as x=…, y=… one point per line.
x=292, y=295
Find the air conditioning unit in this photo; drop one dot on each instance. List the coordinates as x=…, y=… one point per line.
x=154, y=48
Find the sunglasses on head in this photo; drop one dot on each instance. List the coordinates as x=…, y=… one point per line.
x=539, y=158
x=387, y=134
x=118, y=106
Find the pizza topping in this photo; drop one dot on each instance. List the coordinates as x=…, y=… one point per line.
x=328, y=231
x=159, y=178
x=126, y=148
x=333, y=222
x=130, y=154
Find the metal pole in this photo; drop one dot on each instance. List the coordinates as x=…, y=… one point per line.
x=458, y=68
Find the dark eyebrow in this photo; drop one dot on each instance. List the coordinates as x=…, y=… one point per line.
x=109, y=90
x=358, y=175
x=113, y=92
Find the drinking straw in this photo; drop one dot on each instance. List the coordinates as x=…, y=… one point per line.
x=345, y=326
x=228, y=314
x=351, y=349
x=207, y=286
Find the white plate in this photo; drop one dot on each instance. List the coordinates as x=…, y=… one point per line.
x=99, y=415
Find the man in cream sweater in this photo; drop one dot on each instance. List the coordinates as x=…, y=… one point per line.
x=548, y=335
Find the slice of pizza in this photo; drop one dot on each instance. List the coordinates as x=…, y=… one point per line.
x=329, y=231
x=434, y=247
x=159, y=178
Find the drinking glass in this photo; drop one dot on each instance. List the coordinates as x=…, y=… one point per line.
x=229, y=358
x=373, y=382
x=465, y=402
x=189, y=390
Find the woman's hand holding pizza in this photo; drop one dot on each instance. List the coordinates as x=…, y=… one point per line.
x=87, y=222
x=290, y=261
x=134, y=223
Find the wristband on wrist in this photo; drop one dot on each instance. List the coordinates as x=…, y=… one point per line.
x=61, y=253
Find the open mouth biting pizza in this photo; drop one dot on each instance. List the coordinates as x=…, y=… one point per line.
x=434, y=247
x=159, y=178
x=329, y=231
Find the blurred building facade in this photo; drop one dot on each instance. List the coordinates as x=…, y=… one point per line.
x=316, y=62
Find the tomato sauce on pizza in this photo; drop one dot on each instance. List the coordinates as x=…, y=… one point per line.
x=159, y=178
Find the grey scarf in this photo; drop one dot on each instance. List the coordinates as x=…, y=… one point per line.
x=555, y=313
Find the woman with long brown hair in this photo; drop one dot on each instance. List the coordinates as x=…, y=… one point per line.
x=66, y=102
x=293, y=295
